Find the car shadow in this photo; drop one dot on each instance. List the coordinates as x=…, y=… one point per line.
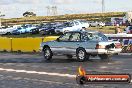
x=40, y=59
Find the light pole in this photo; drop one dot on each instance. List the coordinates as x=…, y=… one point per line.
x=1, y=15
x=103, y=6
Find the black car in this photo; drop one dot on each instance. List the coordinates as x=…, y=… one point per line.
x=36, y=30
x=48, y=28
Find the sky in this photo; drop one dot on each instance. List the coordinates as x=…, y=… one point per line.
x=15, y=8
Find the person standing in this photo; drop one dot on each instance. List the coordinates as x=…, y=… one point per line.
x=117, y=29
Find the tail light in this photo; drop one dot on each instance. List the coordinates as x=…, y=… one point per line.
x=118, y=45
x=99, y=46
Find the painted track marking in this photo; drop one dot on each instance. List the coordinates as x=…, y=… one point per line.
x=40, y=73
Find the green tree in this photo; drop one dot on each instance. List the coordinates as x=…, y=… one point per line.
x=29, y=14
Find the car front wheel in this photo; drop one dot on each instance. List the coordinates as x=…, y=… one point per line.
x=81, y=55
x=47, y=53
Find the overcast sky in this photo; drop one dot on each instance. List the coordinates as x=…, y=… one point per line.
x=15, y=8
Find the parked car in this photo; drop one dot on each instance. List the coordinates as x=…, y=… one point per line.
x=108, y=24
x=95, y=24
x=128, y=30
x=83, y=23
x=29, y=27
x=74, y=25
x=48, y=28
x=8, y=30
x=20, y=30
x=17, y=31
x=82, y=44
x=37, y=28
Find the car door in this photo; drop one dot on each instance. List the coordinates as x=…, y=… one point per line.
x=78, y=39
x=73, y=43
x=60, y=45
x=88, y=41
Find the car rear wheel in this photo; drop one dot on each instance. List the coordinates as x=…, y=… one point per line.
x=47, y=53
x=81, y=55
x=106, y=57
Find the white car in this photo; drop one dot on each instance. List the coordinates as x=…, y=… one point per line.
x=95, y=24
x=8, y=30
x=74, y=25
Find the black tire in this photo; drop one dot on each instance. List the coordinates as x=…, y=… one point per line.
x=69, y=56
x=8, y=33
x=98, y=25
x=49, y=55
x=81, y=55
x=90, y=25
x=43, y=32
x=106, y=57
x=52, y=32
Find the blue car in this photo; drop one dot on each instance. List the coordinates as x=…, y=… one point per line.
x=19, y=30
x=29, y=28
x=22, y=30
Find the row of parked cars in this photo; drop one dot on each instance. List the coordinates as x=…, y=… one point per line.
x=44, y=29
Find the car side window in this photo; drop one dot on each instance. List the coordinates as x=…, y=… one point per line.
x=87, y=36
x=97, y=36
x=75, y=37
x=90, y=36
x=65, y=37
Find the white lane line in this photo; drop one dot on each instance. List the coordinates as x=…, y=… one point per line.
x=40, y=73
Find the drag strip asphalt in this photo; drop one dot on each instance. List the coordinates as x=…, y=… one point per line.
x=30, y=71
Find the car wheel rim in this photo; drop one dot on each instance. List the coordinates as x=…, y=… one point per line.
x=47, y=53
x=81, y=55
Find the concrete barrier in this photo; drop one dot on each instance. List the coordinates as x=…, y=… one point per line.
x=23, y=44
x=26, y=44
x=5, y=44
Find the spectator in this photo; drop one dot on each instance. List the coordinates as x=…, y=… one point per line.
x=127, y=23
x=117, y=29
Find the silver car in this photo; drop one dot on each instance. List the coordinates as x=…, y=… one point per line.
x=81, y=44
